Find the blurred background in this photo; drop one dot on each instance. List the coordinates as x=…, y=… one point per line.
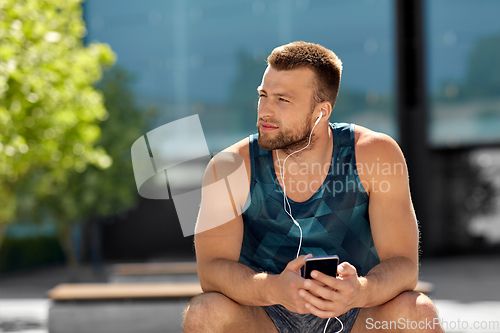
x=81, y=81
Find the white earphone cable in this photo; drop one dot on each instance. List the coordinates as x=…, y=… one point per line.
x=289, y=211
x=285, y=198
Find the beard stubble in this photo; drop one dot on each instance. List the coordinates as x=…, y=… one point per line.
x=286, y=140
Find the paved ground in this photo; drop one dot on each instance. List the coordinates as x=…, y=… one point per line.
x=466, y=279
x=467, y=294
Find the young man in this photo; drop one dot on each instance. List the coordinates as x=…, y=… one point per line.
x=311, y=187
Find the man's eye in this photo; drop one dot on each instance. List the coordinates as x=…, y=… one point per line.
x=283, y=100
x=262, y=95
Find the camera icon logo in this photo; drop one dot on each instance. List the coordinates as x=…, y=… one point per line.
x=173, y=167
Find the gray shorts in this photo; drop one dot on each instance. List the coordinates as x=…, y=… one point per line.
x=291, y=322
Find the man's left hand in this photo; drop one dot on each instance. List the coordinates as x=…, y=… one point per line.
x=329, y=297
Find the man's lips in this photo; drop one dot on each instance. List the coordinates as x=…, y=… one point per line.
x=267, y=127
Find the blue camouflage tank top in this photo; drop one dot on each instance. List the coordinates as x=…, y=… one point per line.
x=334, y=220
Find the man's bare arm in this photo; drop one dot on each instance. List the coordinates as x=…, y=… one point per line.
x=383, y=172
x=392, y=220
x=218, y=246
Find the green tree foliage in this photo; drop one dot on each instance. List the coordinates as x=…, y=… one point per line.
x=107, y=188
x=97, y=192
x=49, y=109
x=113, y=190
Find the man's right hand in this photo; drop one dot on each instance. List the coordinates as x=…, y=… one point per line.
x=288, y=285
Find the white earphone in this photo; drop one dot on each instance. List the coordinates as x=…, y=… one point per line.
x=319, y=118
x=286, y=204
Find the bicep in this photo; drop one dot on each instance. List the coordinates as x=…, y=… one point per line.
x=219, y=228
x=392, y=217
x=393, y=223
x=222, y=242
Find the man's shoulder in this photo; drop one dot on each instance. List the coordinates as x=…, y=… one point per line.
x=366, y=136
x=230, y=159
x=375, y=146
x=241, y=147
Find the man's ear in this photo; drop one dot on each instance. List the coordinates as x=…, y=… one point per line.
x=326, y=108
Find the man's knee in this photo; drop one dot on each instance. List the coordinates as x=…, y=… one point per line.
x=208, y=310
x=416, y=309
x=415, y=304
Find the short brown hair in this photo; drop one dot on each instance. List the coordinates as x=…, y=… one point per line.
x=325, y=64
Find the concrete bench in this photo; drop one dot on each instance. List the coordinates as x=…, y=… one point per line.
x=105, y=291
x=161, y=290
x=177, y=272
x=129, y=306
x=155, y=268
x=424, y=287
x=119, y=308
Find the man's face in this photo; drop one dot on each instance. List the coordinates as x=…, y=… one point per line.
x=285, y=109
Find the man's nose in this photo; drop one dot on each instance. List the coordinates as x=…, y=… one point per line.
x=265, y=109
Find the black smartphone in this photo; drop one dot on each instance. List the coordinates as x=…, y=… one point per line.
x=326, y=265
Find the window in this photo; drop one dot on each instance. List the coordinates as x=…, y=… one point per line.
x=207, y=58
x=463, y=41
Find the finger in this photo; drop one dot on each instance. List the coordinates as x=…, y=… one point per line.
x=319, y=284
x=326, y=280
x=346, y=269
x=315, y=289
x=316, y=301
x=320, y=313
x=297, y=264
